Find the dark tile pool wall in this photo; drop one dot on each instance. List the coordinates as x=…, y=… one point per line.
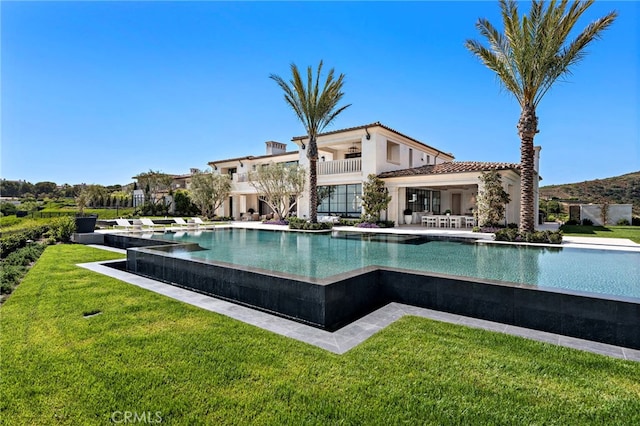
x=127, y=241
x=600, y=319
x=323, y=306
x=330, y=305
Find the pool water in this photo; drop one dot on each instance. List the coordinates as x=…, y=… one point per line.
x=323, y=255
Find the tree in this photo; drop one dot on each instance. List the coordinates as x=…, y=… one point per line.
x=154, y=184
x=183, y=202
x=528, y=58
x=279, y=186
x=316, y=110
x=491, y=199
x=209, y=191
x=375, y=198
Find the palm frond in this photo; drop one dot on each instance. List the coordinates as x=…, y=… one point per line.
x=533, y=51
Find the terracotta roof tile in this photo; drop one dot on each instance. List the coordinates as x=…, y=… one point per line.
x=451, y=167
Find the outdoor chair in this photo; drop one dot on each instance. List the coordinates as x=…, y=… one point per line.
x=200, y=223
x=148, y=223
x=124, y=223
x=180, y=222
x=455, y=222
x=443, y=222
x=470, y=221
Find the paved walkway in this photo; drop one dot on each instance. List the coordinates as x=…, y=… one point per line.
x=353, y=334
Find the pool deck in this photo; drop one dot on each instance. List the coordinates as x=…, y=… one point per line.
x=358, y=331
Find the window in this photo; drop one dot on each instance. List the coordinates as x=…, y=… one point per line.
x=342, y=200
x=428, y=158
x=393, y=152
x=423, y=200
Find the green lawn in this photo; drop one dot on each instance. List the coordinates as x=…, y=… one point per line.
x=630, y=232
x=148, y=354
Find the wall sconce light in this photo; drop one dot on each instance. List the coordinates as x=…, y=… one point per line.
x=367, y=132
x=322, y=158
x=303, y=145
x=352, y=149
x=215, y=167
x=240, y=161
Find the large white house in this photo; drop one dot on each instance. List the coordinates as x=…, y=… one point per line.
x=418, y=176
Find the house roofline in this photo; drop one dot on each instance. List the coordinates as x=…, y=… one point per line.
x=252, y=157
x=376, y=124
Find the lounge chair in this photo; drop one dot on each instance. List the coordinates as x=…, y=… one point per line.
x=148, y=223
x=180, y=222
x=201, y=224
x=124, y=223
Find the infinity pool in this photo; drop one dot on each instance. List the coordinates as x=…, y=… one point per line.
x=321, y=255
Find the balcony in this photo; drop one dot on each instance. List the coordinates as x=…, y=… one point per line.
x=350, y=165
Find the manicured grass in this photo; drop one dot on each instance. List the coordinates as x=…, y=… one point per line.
x=146, y=353
x=630, y=232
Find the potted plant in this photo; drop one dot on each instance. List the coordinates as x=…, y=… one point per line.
x=408, y=216
x=447, y=212
x=84, y=224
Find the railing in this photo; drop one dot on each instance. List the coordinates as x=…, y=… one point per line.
x=241, y=177
x=350, y=165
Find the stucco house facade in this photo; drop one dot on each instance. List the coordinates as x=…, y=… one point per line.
x=417, y=176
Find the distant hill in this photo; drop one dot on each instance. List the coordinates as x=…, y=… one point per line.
x=623, y=189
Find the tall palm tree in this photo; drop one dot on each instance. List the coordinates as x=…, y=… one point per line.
x=315, y=109
x=528, y=58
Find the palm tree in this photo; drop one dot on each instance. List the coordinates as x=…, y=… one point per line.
x=528, y=58
x=315, y=110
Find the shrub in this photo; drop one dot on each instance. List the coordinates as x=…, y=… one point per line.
x=386, y=223
x=298, y=223
x=9, y=277
x=548, y=237
x=587, y=222
x=18, y=239
x=367, y=225
x=623, y=222
x=635, y=221
x=571, y=222
x=407, y=212
x=348, y=222
x=62, y=228
x=14, y=266
x=476, y=229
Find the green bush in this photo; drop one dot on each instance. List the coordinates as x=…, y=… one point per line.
x=298, y=223
x=623, y=222
x=14, y=266
x=10, y=275
x=512, y=235
x=587, y=222
x=386, y=223
x=571, y=222
x=62, y=228
x=348, y=222
x=12, y=241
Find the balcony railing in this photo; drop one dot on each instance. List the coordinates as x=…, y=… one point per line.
x=350, y=165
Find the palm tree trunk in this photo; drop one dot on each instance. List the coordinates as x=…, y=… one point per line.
x=527, y=129
x=312, y=154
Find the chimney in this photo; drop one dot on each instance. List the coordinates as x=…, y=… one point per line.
x=274, y=148
x=536, y=158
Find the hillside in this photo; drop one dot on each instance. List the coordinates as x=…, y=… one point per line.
x=623, y=189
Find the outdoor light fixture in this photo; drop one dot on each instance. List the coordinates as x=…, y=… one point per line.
x=240, y=161
x=368, y=135
x=352, y=149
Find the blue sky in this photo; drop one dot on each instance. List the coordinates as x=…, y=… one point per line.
x=97, y=92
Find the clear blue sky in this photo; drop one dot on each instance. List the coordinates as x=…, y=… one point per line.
x=97, y=92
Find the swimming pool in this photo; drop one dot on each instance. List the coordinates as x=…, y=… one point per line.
x=615, y=273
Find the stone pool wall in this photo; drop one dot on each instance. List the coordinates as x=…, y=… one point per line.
x=334, y=302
